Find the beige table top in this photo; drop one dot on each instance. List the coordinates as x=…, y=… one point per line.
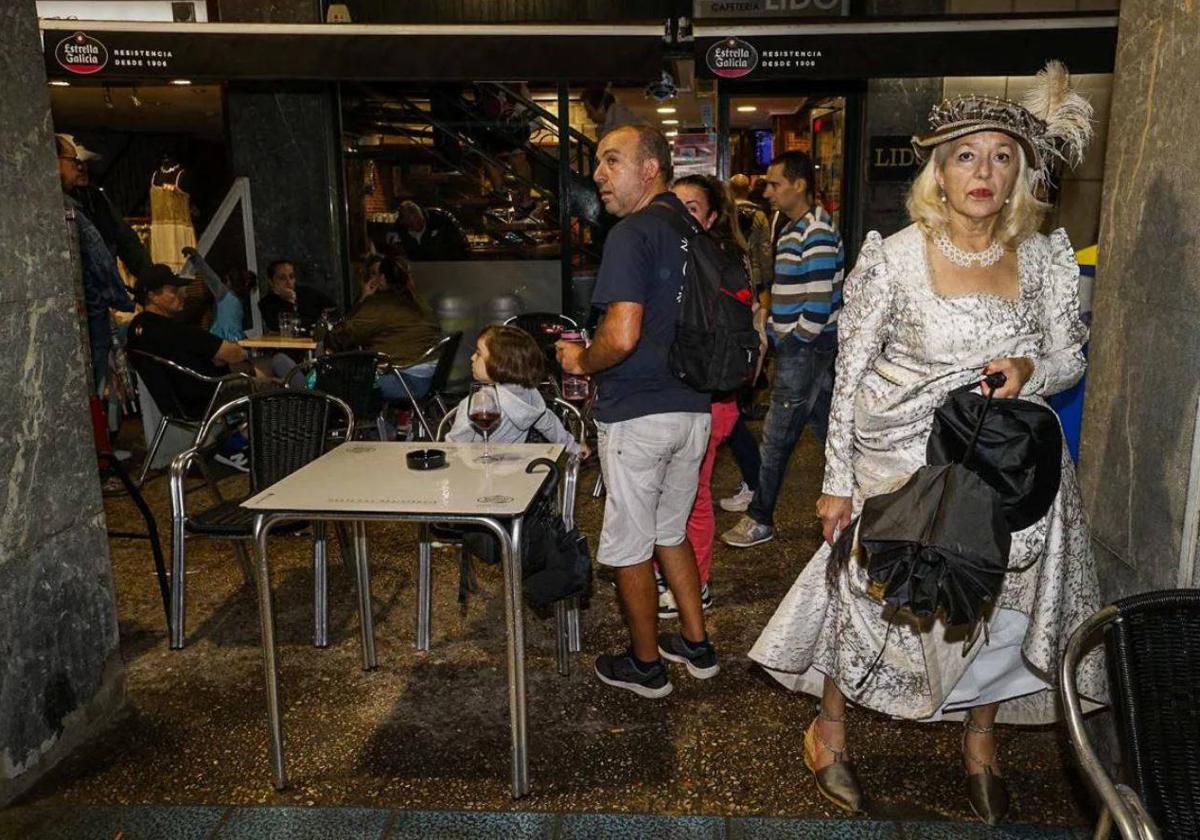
x=274, y=341
x=373, y=477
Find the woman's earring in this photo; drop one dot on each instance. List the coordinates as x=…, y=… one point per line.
x=1007, y=200
x=943, y=197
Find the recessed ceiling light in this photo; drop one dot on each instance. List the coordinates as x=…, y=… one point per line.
x=666, y=109
x=747, y=109
x=670, y=122
x=181, y=82
x=60, y=83
x=672, y=133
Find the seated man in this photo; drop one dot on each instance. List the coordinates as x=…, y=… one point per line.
x=156, y=331
x=391, y=318
x=286, y=296
x=430, y=233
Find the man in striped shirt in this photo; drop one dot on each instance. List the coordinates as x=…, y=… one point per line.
x=806, y=296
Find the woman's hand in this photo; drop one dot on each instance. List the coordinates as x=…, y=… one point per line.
x=1016, y=370
x=369, y=288
x=585, y=452
x=834, y=512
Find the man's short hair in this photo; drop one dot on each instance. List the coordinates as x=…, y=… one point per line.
x=795, y=165
x=652, y=145
x=739, y=186
x=274, y=266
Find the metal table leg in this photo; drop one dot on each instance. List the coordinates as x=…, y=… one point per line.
x=366, y=619
x=424, y=587
x=266, y=613
x=514, y=618
x=320, y=587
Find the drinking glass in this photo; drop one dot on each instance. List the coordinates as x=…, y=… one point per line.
x=483, y=410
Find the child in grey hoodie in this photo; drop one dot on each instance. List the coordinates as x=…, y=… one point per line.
x=510, y=359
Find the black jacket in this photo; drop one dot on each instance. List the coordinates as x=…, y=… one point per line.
x=118, y=236
x=443, y=238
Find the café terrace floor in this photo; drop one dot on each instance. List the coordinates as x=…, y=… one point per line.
x=429, y=732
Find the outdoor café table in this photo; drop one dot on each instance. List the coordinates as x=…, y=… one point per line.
x=365, y=481
x=274, y=341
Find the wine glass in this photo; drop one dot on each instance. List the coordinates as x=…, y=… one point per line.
x=483, y=410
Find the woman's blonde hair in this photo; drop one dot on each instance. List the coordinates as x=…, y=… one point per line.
x=1019, y=219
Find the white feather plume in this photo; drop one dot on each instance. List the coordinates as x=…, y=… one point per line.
x=1068, y=116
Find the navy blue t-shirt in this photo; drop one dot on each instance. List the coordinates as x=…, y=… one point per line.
x=643, y=262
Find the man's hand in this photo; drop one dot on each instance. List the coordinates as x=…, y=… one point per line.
x=834, y=512
x=570, y=356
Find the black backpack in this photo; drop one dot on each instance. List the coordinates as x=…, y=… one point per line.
x=716, y=347
x=746, y=214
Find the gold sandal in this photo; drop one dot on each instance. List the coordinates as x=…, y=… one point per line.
x=987, y=792
x=837, y=782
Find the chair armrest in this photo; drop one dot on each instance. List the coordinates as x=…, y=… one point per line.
x=1126, y=808
x=180, y=465
x=570, y=483
x=444, y=426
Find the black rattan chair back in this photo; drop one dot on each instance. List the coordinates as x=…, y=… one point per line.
x=441, y=372
x=287, y=430
x=351, y=378
x=1154, y=664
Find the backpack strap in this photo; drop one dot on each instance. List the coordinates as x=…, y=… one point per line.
x=683, y=223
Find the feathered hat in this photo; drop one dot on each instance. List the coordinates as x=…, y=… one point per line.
x=1051, y=123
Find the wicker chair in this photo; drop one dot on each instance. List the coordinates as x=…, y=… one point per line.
x=350, y=377
x=442, y=353
x=1153, y=646
x=287, y=429
x=160, y=376
x=566, y=612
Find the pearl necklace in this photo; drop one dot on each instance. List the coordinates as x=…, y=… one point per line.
x=967, y=259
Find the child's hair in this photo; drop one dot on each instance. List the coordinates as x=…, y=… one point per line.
x=514, y=358
x=240, y=281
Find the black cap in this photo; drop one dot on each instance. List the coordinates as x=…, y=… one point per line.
x=157, y=276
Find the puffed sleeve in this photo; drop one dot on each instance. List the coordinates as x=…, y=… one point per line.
x=1061, y=362
x=862, y=333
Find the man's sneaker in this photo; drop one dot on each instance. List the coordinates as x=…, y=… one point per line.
x=620, y=671
x=701, y=659
x=739, y=501
x=747, y=532
x=706, y=599
x=237, y=460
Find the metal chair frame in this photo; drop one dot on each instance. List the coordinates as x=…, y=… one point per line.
x=174, y=414
x=443, y=351
x=180, y=466
x=1122, y=805
x=567, y=633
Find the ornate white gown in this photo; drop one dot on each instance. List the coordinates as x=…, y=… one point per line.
x=902, y=349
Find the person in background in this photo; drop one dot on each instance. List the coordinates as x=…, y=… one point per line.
x=120, y=239
x=603, y=108
x=710, y=204
x=756, y=231
x=805, y=300
x=653, y=429
x=391, y=318
x=102, y=287
x=286, y=296
x=157, y=330
x=230, y=294
x=430, y=233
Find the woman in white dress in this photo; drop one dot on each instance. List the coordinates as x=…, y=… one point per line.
x=969, y=288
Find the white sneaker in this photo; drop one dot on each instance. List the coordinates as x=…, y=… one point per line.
x=236, y=460
x=739, y=501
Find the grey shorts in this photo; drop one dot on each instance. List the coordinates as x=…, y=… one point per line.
x=651, y=468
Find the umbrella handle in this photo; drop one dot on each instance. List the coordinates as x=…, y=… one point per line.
x=994, y=381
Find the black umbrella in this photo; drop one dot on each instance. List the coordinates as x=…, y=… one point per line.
x=938, y=544
x=1016, y=447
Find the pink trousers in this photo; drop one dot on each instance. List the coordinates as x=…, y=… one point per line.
x=702, y=523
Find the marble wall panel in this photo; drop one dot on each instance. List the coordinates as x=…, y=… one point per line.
x=283, y=139
x=60, y=672
x=1142, y=387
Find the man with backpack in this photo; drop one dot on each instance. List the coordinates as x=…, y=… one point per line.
x=653, y=427
x=805, y=299
x=756, y=230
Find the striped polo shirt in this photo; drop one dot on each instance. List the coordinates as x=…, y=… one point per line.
x=809, y=266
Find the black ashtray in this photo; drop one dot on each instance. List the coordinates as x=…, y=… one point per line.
x=426, y=459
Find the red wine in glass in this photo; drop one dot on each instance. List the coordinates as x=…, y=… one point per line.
x=484, y=421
